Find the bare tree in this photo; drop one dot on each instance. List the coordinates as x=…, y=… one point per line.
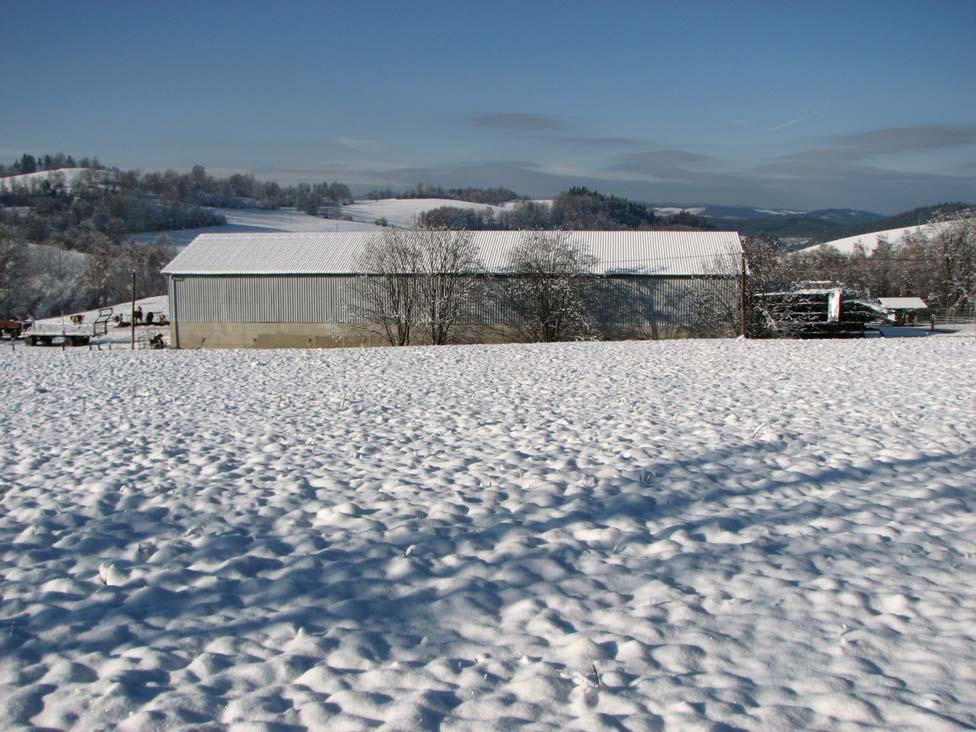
x=421, y=281
x=952, y=253
x=388, y=290
x=448, y=280
x=714, y=302
x=53, y=283
x=550, y=286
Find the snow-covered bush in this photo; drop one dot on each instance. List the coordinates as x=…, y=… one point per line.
x=549, y=287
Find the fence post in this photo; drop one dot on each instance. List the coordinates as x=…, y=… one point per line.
x=742, y=294
x=132, y=311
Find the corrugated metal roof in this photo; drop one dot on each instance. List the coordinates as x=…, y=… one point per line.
x=616, y=252
x=903, y=303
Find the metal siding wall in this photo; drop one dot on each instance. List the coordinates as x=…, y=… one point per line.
x=618, y=301
x=235, y=299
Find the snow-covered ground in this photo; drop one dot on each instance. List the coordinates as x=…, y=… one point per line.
x=260, y=221
x=773, y=212
x=403, y=212
x=849, y=244
x=397, y=212
x=675, y=210
x=68, y=176
x=158, y=305
x=649, y=535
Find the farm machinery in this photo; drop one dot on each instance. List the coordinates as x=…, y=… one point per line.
x=75, y=334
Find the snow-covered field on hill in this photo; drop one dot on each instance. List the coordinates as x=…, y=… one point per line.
x=397, y=212
x=158, y=304
x=849, y=244
x=649, y=535
x=242, y=220
x=68, y=176
x=403, y=212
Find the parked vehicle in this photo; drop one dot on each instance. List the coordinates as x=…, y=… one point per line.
x=13, y=329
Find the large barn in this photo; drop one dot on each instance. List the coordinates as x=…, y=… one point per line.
x=301, y=290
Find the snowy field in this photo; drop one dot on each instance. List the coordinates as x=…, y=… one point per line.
x=397, y=212
x=649, y=535
x=869, y=242
x=67, y=176
x=158, y=304
x=403, y=212
x=261, y=221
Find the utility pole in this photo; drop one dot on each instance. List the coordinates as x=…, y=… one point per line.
x=742, y=293
x=132, y=313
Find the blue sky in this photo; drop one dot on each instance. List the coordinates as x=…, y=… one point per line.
x=786, y=104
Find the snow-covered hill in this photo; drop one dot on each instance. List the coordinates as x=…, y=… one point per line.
x=261, y=221
x=158, y=305
x=395, y=211
x=658, y=535
x=849, y=244
x=675, y=210
x=403, y=212
x=65, y=176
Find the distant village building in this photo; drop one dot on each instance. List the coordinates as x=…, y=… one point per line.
x=905, y=309
x=300, y=289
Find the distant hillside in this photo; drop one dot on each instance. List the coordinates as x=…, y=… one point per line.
x=258, y=220
x=577, y=208
x=49, y=180
x=822, y=225
x=869, y=240
x=405, y=212
x=808, y=226
x=815, y=226
x=915, y=217
x=470, y=194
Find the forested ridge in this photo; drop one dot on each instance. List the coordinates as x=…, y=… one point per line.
x=66, y=226
x=577, y=208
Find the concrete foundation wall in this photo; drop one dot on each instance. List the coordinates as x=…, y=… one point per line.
x=337, y=335
x=306, y=335
x=271, y=335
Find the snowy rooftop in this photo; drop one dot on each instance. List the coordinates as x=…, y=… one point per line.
x=903, y=303
x=617, y=252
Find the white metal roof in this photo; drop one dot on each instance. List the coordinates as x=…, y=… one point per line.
x=617, y=252
x=903, y=303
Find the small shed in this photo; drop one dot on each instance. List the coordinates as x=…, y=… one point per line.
x=905, y=309
x=300, y=290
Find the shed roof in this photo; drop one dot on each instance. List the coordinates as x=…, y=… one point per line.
x=903, y=303
x=675, y=253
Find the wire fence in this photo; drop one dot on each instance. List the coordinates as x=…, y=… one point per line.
x=954, y=317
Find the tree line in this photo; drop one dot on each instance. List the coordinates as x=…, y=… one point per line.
x=493, y=196
x=29, y=164
x=55, y=211
x=118, y=202
x=42, y=280
x=576, y=209
x=64, y=242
